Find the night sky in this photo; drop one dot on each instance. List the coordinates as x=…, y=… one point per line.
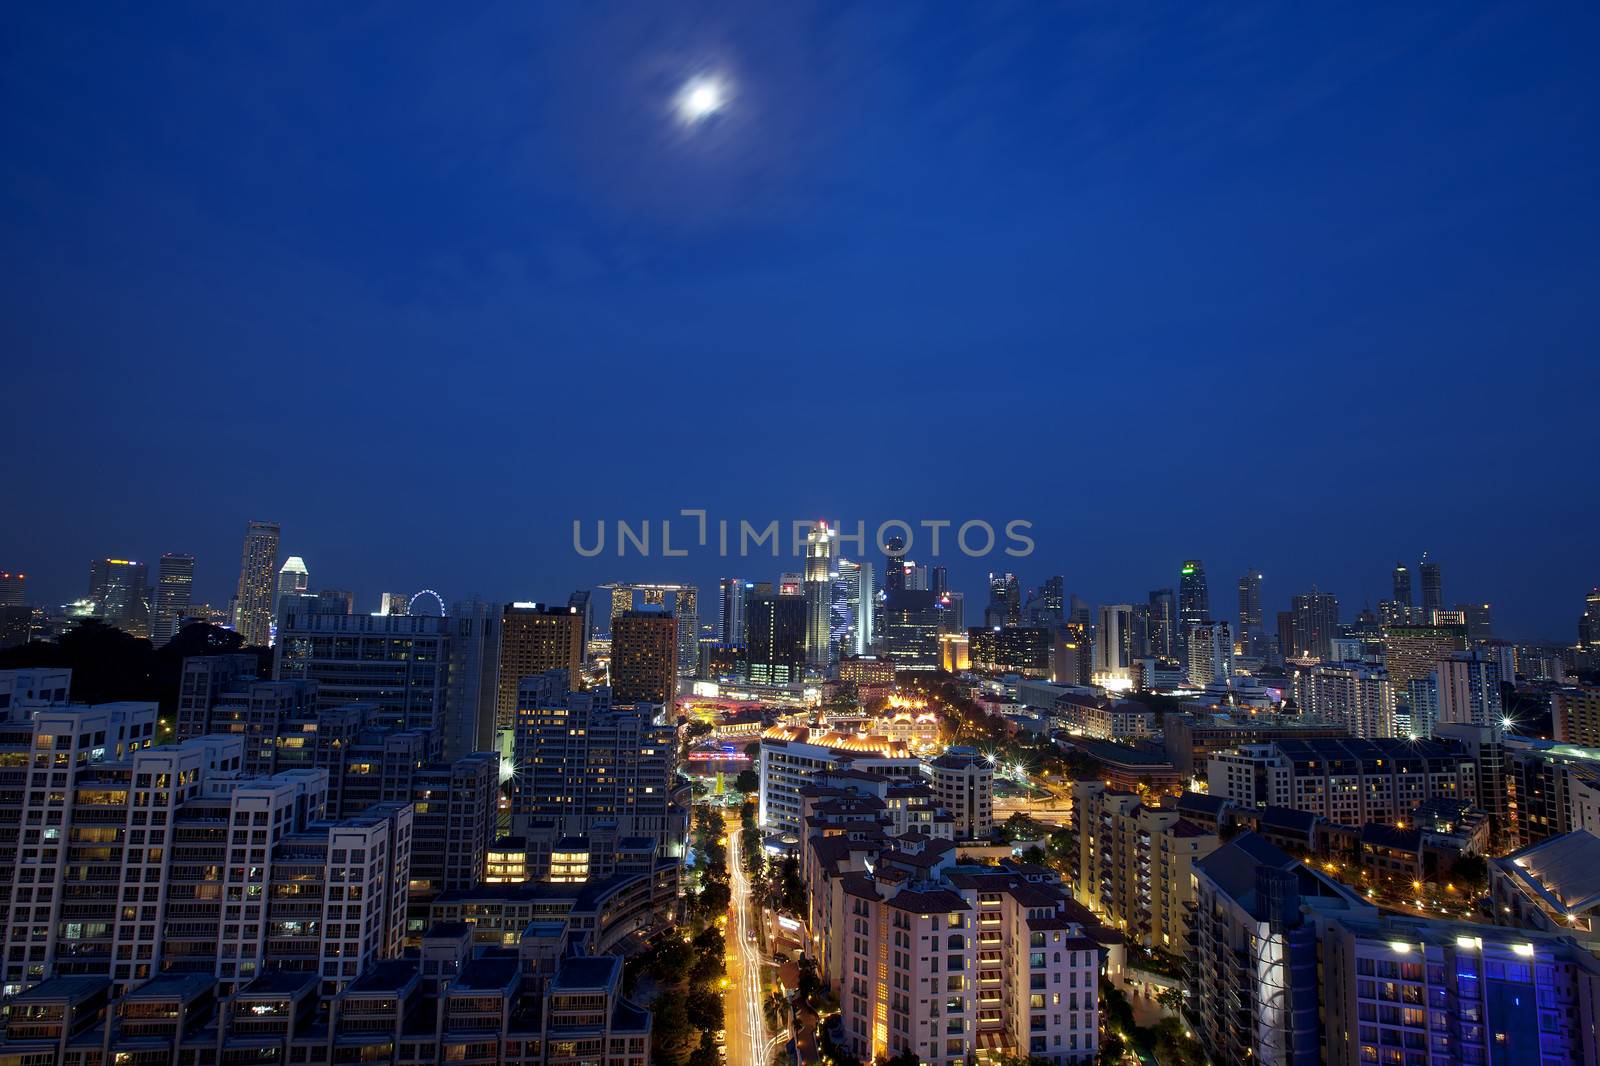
x=1306, y=290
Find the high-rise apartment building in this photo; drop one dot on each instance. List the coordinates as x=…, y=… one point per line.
x=1024, y=650
x=734, y=594
x=1356, y=696
x=1163, y=626
x=1210, y=656
x=686, y=612
x=1469, y=690
x=963, y=785
x=252, y=607
x=472, y=700
x=1576, y=713
x=584, y=765
x=173, y=596
x=644, y=657
x=1316, y=623
x=1136, y=864
x=1410, y=652
x=535, y=639
x=1348, y=781
x=398, y=663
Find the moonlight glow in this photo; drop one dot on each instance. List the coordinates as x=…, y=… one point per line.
x=700, y=99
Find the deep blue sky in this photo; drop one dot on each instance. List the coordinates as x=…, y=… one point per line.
x=1309, y=290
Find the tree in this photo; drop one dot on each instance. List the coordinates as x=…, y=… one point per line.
x=905, y=1058
x=1111, y=1049
x=747, y=781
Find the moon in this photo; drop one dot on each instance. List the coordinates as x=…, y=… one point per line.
x=701, y=98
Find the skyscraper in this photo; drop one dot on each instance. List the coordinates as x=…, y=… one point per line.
x=734, y=592
x=1005, y=601
x=1432, y=589
x=821, y=544
x=13, y=589
x=535, y=639
x=1402, y=586
x=686, y=611
x=1210, y=653
x=775, y=640
x=1194, y=601
x=174, y=595
x=294, y=580
x=471, y=699
x=894, y=571
x=1316, y=623
x=252, y=609
x=845, y=611
x=120, y=590
x=1113, y=644
x=644, y=657
x=1163, y=638
x=1589, y=623
x=1469, y=690
x=1250, y=617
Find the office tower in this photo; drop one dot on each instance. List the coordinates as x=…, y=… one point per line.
x=963, y=785
x=644, y=658
x=253, y=601
x=894, y=570
x=1021, y=650
x=340, y=601
x=473, y=693
x=1072, y=656
x=734, y=592
x=791, y=583
x=294, y=580
x=621, y=600
x=1589, y=623
x=1411, y=652
x=938, y=580
x=1356, y=696
x=1005, y=601
x=845, y=609
x=954, y=606
x=1402, y=590
x=173, y=598
x=1210, y=653
x=1194, y=601
x=394, y=603
x=1575, y=714
x=1163, y=631
x=13, y=589
x=1113, y=645
x=1250, y=616
x=585, y=765
x=775, y=640
x=912, y=622
x=535, y=639
x=1054, y=597
x=1139, y=631
x=1469, y=690
x=821, y=546
x=120, y=591
x=1316, y=623
x=1135, y=864
x=1480, y=629
x=686, y=612
x=1432, y=589
x=399, y=663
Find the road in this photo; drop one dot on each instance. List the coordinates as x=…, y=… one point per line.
x=748, y=1039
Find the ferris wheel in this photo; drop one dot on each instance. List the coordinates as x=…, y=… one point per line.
x=411, y=607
